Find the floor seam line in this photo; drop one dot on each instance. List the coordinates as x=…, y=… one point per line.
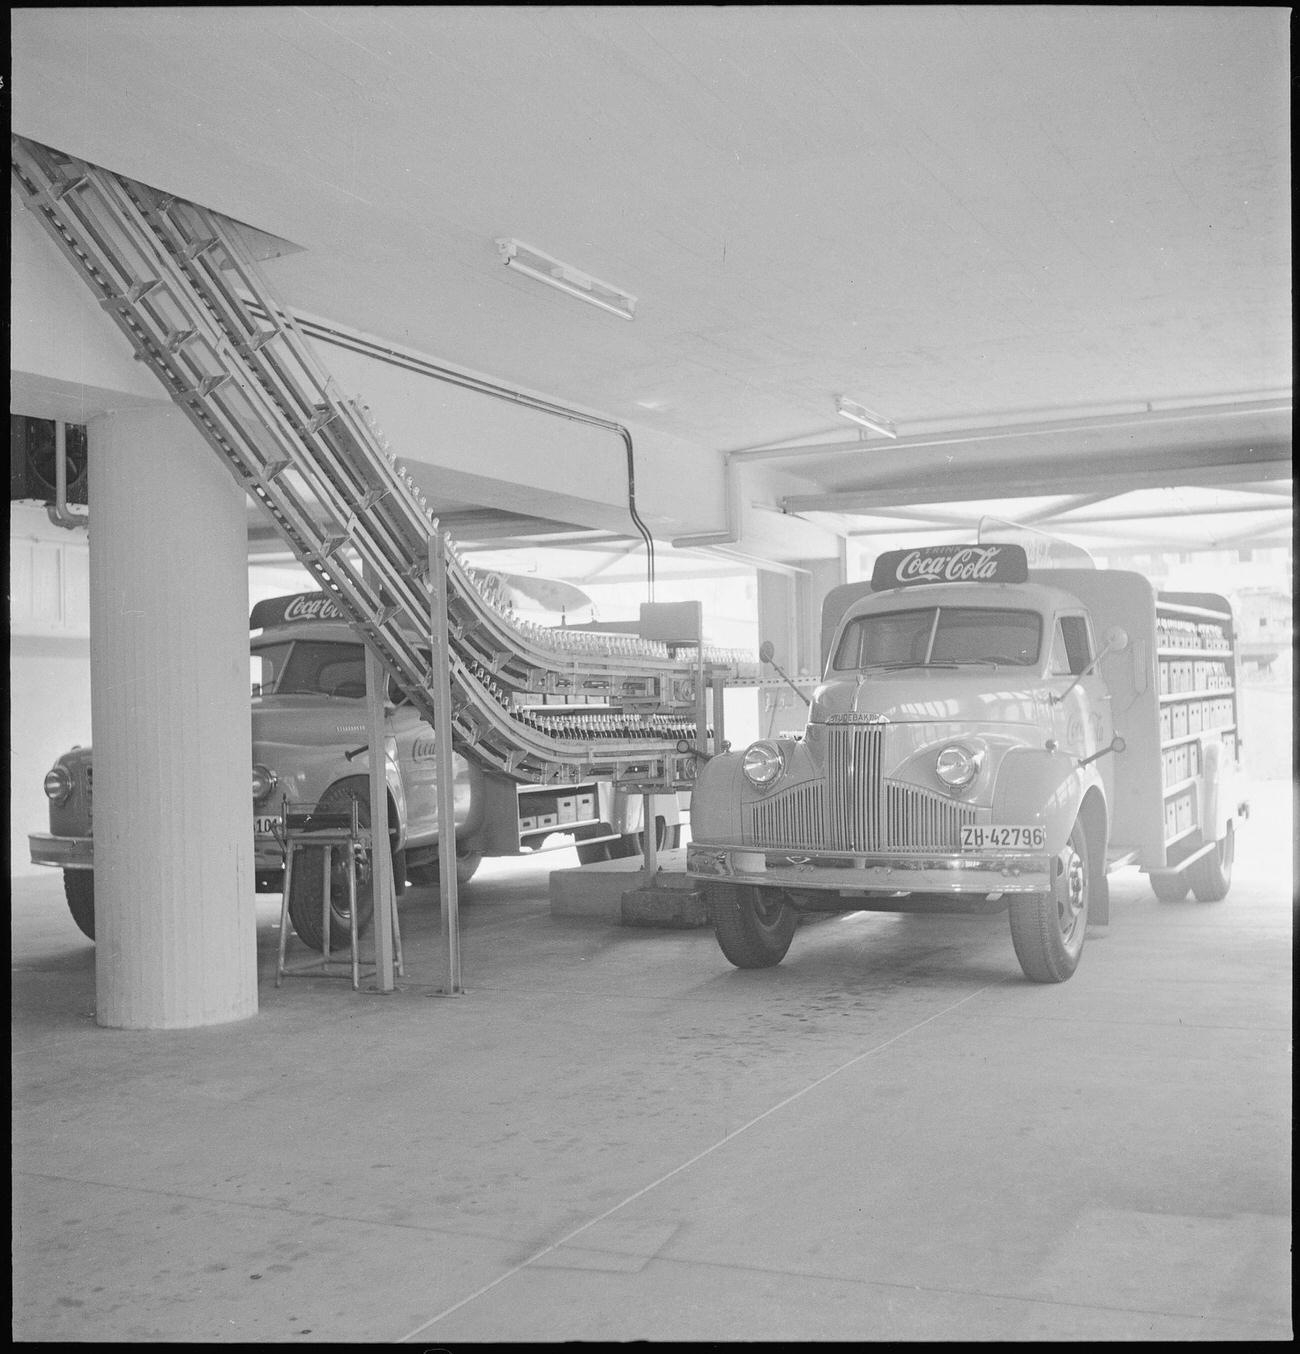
x=686, y=1165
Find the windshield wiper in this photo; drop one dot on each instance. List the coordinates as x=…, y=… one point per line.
x=896, y=665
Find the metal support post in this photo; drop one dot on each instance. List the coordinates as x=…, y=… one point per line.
x=381, y=858
x=648, y=837
x=442, y=708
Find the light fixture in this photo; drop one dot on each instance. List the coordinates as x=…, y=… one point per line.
x=532, y=262
x=850, y=410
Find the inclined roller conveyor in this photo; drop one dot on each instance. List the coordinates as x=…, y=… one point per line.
x=182, y=286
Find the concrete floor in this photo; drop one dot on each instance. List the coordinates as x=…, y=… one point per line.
x=614, y=1135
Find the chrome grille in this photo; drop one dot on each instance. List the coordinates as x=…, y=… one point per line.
x=855, y=809
x=790, y=819
x=919, y=820
x=853, y=778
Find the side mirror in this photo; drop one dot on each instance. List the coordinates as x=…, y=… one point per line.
x=766, y=653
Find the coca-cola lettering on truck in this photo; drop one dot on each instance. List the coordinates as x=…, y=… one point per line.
x=950, y=564
x=986, y=738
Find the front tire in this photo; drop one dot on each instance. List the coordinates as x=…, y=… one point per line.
x=79, y=890
x=754, y=926
x=1047, y=929
x=1211, y=876
x=305, y=895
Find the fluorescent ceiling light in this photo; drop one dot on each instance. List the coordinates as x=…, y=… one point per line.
x=858, y=414
x=532, y=262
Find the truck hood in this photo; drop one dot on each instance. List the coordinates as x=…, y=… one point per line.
x=985, y=695
x=309, y=721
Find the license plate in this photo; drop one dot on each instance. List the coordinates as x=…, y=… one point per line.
x=264, y=827
x=1013, y=838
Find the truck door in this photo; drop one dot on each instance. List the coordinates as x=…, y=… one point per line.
x=1082, y=719
x=416, y=765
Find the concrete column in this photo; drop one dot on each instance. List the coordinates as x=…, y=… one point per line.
x=777, y=621
x=174, y=888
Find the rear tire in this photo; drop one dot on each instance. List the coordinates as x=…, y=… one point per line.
x=429, y=876
x=754, y=925
x=305, y=897
x=79, y=890
x=1211, y=876
x=589, y=853
x=1047, y=929
x=1169, y=888
x=630, y=844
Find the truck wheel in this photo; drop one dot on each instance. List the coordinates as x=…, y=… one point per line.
x=1047, y=929
x=754, y=925
x=630, y=844
x=1211, y=876
x=1169, y=888
x=79, y=890
x=305, y=895
x=429, y=876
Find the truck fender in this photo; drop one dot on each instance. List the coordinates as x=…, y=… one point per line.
x=716, y=800
x=1034, y=787
x=1215, y=794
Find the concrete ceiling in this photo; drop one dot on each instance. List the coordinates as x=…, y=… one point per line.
x=1051, y=244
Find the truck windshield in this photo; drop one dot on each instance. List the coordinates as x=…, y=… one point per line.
x=939, y=637
x=309, y=667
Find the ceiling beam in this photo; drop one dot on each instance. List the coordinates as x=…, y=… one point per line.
x=1041, y=481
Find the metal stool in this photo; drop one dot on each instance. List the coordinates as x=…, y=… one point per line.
x=327, y=832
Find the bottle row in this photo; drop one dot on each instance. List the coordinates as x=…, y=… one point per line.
x=1185, y=634
x=1181, y=762
x=1180, y=813
x=580, y=727
x=1180, y=718
x=1175, y=676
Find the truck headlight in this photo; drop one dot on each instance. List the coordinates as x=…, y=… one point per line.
x=58, y=785
x=957, y=765
x=263, y=782
x=762, y=764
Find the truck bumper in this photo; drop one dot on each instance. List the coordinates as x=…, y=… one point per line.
x=78, y=853
x=984, y=875
x=65, y=853
x=268, y=854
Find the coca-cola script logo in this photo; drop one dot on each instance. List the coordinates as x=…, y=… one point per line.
x=312, y=609
x=987, y=563
x=967, y=564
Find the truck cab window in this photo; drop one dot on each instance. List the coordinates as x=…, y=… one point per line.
x=312, y=667
x=265, y=664
x=1071, y=652
x=940, y=636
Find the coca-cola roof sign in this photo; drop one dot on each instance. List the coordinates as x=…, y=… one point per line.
x=950, y=564
x=299, y=607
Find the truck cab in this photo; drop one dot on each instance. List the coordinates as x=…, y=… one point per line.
x=310, y=755
x=984, y=739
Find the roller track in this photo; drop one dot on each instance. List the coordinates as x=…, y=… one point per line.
x=181, y=284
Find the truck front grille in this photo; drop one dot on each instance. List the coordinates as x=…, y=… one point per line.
x=855, y=808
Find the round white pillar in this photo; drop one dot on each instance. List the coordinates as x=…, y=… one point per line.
x=175, y=926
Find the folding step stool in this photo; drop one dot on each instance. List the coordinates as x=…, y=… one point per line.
x=327, y=831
